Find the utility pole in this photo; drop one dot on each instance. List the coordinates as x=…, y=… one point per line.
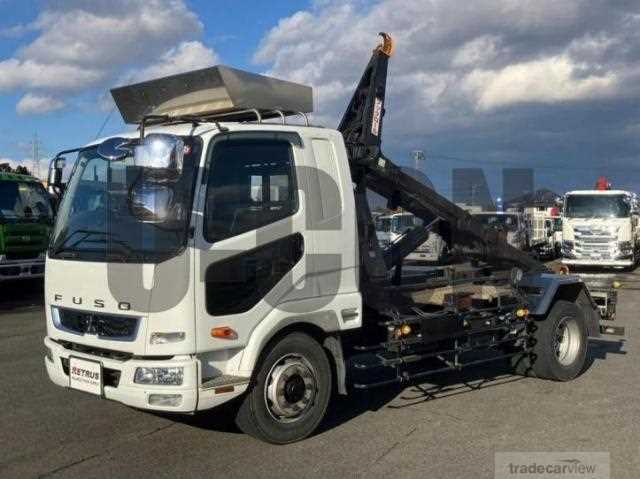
x=418, y=159
x=36, y=157
x=36, y=152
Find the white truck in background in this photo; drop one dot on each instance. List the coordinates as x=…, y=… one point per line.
x=391, y=227
x=554, y=229
x=600, y=228
x=512, y=223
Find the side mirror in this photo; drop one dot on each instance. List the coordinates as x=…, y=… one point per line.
x=54, y=180
x=160, y=152
x=114, y=149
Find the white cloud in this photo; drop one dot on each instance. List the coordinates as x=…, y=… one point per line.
x=38, y=104
x=476, y=52
x=185, y=57
x=18, y=74
x=544, y=81
x=16, y=31
x=455, y=61
x=84, y=45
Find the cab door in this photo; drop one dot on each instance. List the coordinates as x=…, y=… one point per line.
x=250, y=240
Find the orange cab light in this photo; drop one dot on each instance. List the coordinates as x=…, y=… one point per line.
x=224, y=332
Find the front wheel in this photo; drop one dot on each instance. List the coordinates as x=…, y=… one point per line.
x=559, y=347
x=290, y=392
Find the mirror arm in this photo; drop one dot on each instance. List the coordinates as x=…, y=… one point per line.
x=148, y=119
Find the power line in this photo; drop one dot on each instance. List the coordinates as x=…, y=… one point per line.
x=441, y=157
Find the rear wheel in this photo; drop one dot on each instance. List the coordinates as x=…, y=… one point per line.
x=290, y=392
x=559, y=345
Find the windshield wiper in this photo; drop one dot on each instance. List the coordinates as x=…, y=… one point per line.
x=87, y=234
x=125, y=253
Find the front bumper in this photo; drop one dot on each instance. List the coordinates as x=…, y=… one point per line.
x=119, y=385
x=607, y=263
x=11, y=270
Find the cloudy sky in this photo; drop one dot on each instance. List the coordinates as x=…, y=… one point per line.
x=547, y=84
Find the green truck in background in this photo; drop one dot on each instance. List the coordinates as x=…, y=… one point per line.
x=26, y=219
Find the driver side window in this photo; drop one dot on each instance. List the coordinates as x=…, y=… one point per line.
x=251, y=183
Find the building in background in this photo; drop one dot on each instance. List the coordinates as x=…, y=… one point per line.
x=516, y=182
x=469, y=187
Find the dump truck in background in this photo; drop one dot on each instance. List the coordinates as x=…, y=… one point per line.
x=211, y=255
x=26, y=219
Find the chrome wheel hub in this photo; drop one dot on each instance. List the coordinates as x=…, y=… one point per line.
x=567, y=341
x=291, y=388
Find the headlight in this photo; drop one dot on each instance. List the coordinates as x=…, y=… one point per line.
x=567, y=248
x=163, y=376
x=625, y=246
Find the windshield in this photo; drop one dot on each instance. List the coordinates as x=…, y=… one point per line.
x=597, y=206
x=100, y=217
x=509, y=222
x=24, y=200
x=383, y=224
x=396, y=224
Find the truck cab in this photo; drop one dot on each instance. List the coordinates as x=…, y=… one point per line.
x=390, y=227
x=599, y=228
x=26, y=217
x=181, y=270
x=511, y=224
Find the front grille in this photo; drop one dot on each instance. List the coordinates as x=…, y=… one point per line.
x=593, y=247
x=593, y=231
x=111, y=377
x=595, y=240
x=12, y=271
x=93, y=351
x=21, y=255
x=101, y=325
x=26, y=239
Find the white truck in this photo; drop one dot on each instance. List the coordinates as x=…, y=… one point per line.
x=391, y=227
x=599, y=228
x=510, y=223
x=553, y=225
x=212, y=255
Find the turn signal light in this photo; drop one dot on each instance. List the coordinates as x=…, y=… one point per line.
x=616, y=284
x=521, y=313
x=224, y=332
x=403, y=331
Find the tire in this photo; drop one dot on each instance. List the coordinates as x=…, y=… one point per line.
x=290, y=392
x=559, y=345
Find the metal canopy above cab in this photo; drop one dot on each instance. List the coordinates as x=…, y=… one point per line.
x=212, y=91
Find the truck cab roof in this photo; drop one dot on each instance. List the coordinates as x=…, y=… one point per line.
x=598, y=192
x=208, y=129
x=6, y=176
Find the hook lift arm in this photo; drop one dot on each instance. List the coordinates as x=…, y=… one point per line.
x=361, y=127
